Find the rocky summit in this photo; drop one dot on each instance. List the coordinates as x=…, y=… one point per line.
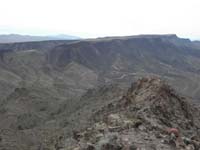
x=150, y=116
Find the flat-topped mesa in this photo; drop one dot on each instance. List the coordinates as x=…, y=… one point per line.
x=157, y=36
x=142, y=36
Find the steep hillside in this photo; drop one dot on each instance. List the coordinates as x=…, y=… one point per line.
x=150, y=116
x=35, y=119
x=124, y=59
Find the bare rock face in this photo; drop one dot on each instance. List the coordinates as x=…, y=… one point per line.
x=150, y=116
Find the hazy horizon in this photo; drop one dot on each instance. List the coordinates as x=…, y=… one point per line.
x=94, y=18
x=76, y=36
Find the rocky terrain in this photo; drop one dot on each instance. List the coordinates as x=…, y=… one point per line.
x=150, y=116
x=52, y=90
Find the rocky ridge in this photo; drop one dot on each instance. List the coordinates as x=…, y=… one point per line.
x=150, y=116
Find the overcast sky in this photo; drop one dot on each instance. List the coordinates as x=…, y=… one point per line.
x=94, y=18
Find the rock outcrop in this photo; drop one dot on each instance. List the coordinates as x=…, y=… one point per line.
x=150, y=116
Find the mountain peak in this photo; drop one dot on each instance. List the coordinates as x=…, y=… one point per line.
x=149, y=86
x=150, y=113
x=148, y=82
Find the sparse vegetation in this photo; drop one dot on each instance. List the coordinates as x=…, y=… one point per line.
x=52, y=88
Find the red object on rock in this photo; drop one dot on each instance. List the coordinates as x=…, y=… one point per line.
x=174, y=131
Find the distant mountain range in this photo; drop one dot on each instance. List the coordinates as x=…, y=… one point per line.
x=13, y=38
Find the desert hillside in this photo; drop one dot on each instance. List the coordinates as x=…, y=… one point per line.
x=51, y=89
